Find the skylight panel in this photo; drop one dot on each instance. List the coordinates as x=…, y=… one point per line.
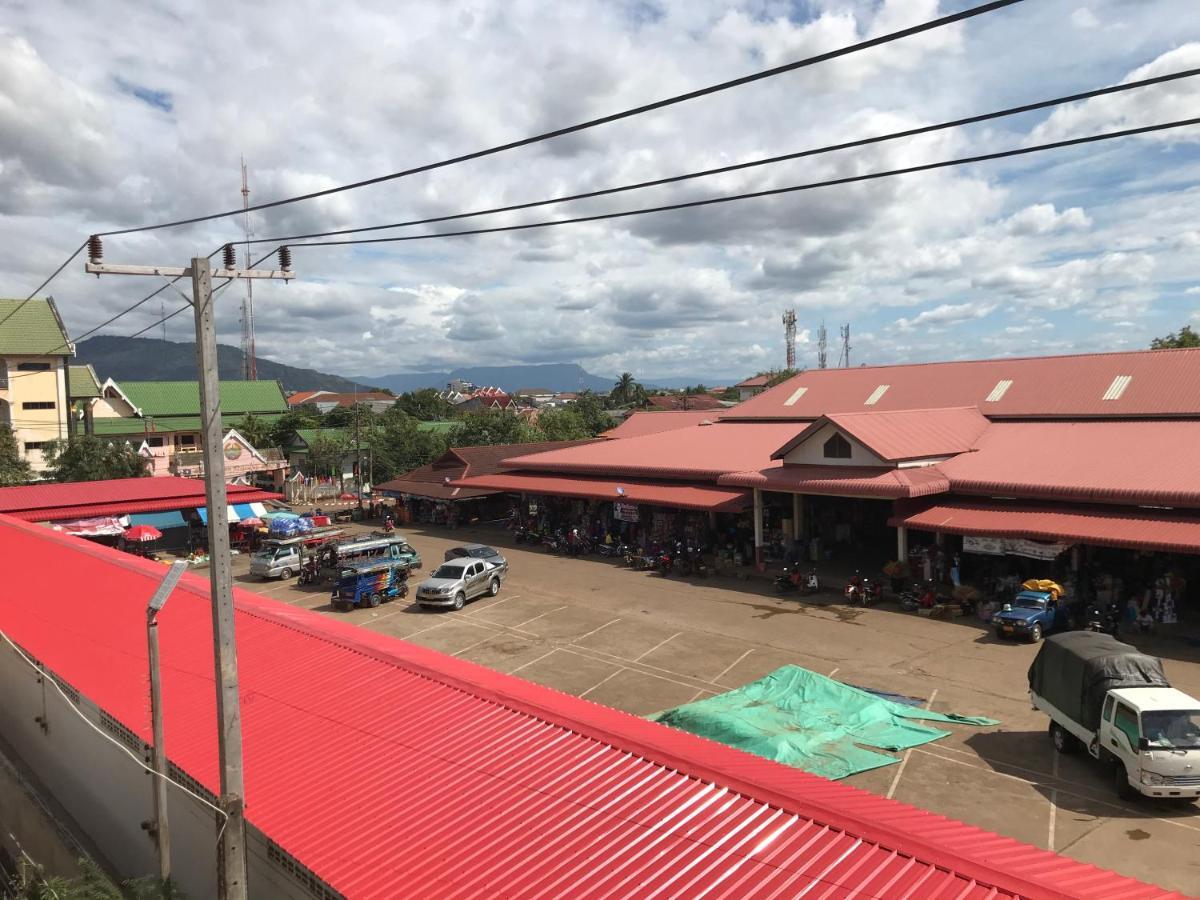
x=999, y=390
x=796, y=395
x=1118, y=386
x=876, y=395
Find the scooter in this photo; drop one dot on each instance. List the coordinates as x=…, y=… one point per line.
x=308, y=571
x=619, y=550
x=1104, y=621
x=862, y=591
x=664, y=562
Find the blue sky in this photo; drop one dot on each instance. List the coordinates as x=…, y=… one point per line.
x=1085, y=249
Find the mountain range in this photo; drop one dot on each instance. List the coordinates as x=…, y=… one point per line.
x=151, y=359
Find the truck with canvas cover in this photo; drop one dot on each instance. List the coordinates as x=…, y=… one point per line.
x=334, y=557
x=282, y=557
x=1114, y=701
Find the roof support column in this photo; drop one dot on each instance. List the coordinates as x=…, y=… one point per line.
x=901, y=543
x=758, y=530
x=797, y=517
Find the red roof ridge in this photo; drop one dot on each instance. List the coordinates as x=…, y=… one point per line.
x=994, y=359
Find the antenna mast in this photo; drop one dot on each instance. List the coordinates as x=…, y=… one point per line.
x=789, y=330
x=844, y=359
x=822, y=344
x=249, y=363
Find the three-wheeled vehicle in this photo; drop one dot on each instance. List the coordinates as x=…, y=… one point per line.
x=369, y=582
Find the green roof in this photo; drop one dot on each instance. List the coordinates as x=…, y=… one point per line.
x=182, y=398
x=82, y=382
x=34, y=330
x=441, y=427
x=164, y=424
x=308, y=435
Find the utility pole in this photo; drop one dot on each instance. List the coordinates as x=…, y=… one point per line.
x=231, y=852
x=358, y=475
x=162, y=834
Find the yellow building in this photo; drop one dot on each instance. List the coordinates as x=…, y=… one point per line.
x=34, y=392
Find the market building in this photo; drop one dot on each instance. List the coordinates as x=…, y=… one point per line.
x=34, y=383
x=377, y=768
x=1077, y=468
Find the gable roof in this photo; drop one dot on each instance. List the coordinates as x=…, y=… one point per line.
x=301, y=397
x=182, y=398
x=467, y=763
x=1110, y=385
x=115, y=496
x=902, y=435
x=33, y=328
x=643, y=422
x=82, y=382
x=682, y=403
x=756, y=381
x=309, y=435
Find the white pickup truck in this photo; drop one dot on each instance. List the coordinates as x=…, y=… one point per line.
x=1107, y=698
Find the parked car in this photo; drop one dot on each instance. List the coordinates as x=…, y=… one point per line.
x=1031, y=615
x=479, y=551
x=454, y=583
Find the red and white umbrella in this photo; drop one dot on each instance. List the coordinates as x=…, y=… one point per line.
x=142, y=533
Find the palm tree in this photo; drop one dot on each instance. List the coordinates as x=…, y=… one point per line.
x=623, y=390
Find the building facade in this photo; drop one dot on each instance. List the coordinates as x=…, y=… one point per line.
x=34, y=380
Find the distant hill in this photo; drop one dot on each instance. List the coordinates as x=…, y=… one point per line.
x=553, y=376
x=150, y=359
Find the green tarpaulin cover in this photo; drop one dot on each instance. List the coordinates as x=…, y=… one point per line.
x=814, y=723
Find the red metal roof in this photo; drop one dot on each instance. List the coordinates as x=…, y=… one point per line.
x=114, y=497
x=844, y=481
x=756, y=381
x=1140, y=530
x=642, y=422
x=904, y=434
x=679, y=403
x=449, y=779
x=1162, y=383
x=1136, y=462
x=702, y=452
x=683, y=496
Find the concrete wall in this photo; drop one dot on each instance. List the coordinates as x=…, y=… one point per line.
x=36, y=426
x=109, y=795
x=811, y=452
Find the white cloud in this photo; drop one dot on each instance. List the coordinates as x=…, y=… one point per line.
x=1043, y=218
x=1084, y=18
x=946, y=314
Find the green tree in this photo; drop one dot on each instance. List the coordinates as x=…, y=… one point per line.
x=623, y=391
x=345, y=416
x=563, y=424
x=29, y=882
x=294, y=420
x=492, y=426
x=399, y=445
x=90, y=458
x=595, y=415
x=778, y=376
x=426, y=405
x=326, y=453
x=13, y=467
x=256, y=431
x=1185, y=337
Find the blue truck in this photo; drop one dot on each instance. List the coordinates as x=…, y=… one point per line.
x=369, y=582
x=1030, y=615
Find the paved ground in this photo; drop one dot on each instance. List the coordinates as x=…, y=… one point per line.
x=641, y=643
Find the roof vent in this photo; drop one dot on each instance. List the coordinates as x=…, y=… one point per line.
x=1117, y=388
x=876, y=395
x=706, y=421
x=796, y=395
x=999, y=390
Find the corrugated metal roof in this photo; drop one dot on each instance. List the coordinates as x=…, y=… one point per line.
x=117, y=496
x=182, y=398
x=35, y=330
x=390, y=770
x=135, y=425
x=903, y=435
x=1135, y=462
x=702, y=452
x=844, y=481
x=682, y=496
x=1139, y=530
x=82, y=382
x=642, y=423
x=1160, y=383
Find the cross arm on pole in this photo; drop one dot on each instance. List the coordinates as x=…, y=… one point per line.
x=185, y=271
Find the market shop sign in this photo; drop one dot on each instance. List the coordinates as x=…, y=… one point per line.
x=625, y=512
x=994, y=546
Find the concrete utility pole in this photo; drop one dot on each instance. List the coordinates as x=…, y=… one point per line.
x=162, y=833
x=231, y=854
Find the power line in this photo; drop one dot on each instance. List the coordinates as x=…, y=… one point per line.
x=602, y=120
x=831, y=182
x=66, y=262
x=847, y=145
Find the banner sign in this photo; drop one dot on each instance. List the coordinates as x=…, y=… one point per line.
x=625, y=512
x=993, y=546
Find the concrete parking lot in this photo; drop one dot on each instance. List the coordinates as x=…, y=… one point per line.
x=642, y=643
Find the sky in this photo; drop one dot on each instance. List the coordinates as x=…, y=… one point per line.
x=122, y=114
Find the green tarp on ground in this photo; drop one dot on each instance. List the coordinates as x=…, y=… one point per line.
x=803, y=719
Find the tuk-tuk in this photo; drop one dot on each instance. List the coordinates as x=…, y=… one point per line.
x=368, y=582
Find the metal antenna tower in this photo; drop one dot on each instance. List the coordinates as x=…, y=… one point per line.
x=822, y=345
x=844, y=358
x=249, y=363
x=789, y=329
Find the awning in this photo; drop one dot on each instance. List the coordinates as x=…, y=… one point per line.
x=681, y=496
x=126, y=507
x=244, y=511
x=97, y=527
x=159, y=520
x=843, y=481
x=1143, y=529
x=231, y=512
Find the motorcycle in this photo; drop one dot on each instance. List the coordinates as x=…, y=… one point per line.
x=862, y=591
x=553, y=542
x=664, y=562
x=309, y=570
x=1106, y=621
x=617, y=550
x=388, y=525
x=792, y=579
x=525, y=535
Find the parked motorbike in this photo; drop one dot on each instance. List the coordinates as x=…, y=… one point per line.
x=525, y=535
x=553, y=542
x=1106, y=621
x=619, y=550
x=664, y=562
x=862, y=591
x=309, y=570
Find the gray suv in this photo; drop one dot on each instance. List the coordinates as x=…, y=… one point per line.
x=454, y=583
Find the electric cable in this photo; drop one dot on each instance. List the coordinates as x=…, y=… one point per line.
x=830, y=182
x=53, y=275
x=602, y=120
x=847, y=145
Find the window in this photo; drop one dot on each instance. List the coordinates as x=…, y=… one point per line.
x=187, y=440
x=38, y=404
x=154, y=442
x=35, y=445
x=1125, y=720
x=837, y=447
x=1108, y=705
x=33, y=367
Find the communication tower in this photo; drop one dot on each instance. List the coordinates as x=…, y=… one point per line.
x=789, y=329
